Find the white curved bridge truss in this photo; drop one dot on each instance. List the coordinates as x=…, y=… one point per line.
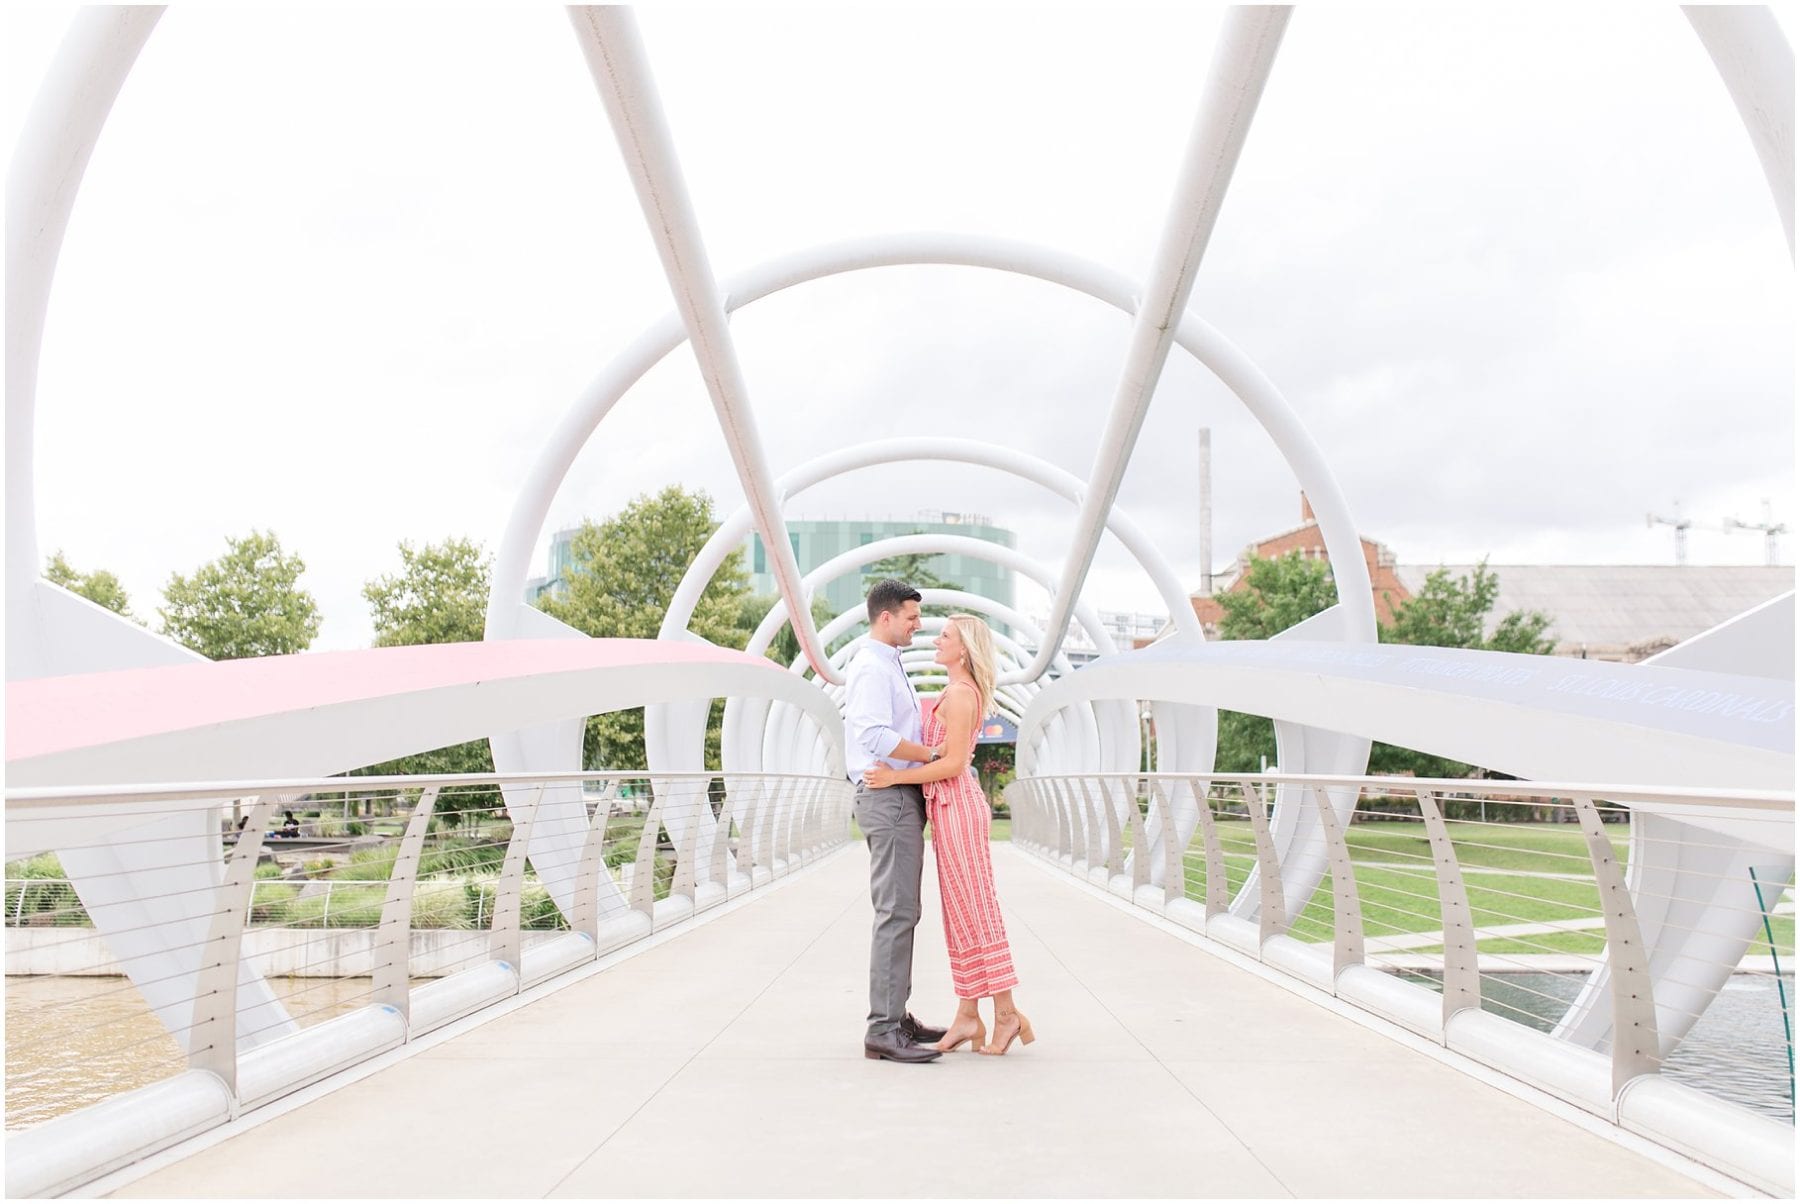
x=1327, y=686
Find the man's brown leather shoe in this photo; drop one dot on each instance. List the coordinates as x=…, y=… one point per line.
x=922, y=1034
x=898, y=1047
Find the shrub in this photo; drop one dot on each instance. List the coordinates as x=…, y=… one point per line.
x=41, y=900
x=537, y=910
x=368, y=865
x=44, y=865
x=353, y=907
x=270, y=903
x=463, y=857
x=479, y=901
x=42, y=897
x=441, y=903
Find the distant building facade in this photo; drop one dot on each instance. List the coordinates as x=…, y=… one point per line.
x=1597, y=611
x=1128, y=629
x=816, y=541
x=1625, y=612
x=1306, y=539
x=555, y=582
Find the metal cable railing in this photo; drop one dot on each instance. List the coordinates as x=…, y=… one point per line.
x=1517, y=900
x=129, y=961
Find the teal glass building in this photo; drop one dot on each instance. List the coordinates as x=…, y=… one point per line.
x=816, y=541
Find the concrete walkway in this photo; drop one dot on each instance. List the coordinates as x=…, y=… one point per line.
x=728, y=1062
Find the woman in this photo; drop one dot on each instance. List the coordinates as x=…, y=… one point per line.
x=980, y=959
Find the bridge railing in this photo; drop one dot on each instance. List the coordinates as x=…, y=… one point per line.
x=172, y=978
x=1505, y=920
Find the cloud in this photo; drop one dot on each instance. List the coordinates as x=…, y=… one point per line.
x=340, y=274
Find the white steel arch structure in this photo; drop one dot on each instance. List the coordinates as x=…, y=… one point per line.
x=1073, y=724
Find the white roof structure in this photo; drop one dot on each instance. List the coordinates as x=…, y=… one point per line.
x=1607, y=607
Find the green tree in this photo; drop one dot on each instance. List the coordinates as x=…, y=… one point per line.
x=99, y=587
x=1452, y=612
x=1446, y=613
x=914, y=568
x=785, y=647
x=1278, y=593
x=624, y=574
x=246, y=603
x=439, y=596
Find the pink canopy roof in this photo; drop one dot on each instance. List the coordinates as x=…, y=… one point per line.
x=63, y=714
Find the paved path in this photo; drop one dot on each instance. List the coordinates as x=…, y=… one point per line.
x=728, y=1062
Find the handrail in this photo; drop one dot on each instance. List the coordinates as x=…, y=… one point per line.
x=446, y=943
x=1489, y=787
x=184, y=791
x=1513, y=935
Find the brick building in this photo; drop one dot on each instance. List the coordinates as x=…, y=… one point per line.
x=1307, y=540
x=1597, y=611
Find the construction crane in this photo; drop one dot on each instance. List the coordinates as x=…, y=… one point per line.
x=1681, y=526
x=1772, y=532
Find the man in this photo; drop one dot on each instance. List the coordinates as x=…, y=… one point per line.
x=881, y=723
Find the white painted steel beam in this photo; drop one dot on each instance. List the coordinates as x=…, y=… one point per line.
x=509, y=618
x=615, y=55
x=47, y=167
x=1240, y=68
x=1756, y=63
x=934, y=449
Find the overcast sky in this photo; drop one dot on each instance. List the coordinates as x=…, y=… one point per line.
x=336, y=273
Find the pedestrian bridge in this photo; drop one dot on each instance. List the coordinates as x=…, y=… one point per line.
x=559, y=980
x=683, y=1015
x=726, y=1060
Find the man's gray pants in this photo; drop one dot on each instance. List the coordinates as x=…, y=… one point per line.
x=893, y=822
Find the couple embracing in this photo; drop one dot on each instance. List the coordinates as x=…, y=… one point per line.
x=908, y=768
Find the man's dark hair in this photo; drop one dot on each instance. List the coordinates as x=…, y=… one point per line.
x=889, y=595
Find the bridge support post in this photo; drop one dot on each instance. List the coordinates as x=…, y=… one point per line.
x=212, y=1045
x=1462, y=973
x=1174, y=865
x=1091, y=823
x=643, y=871
x=719, y=857
x=505, y=942
x=684, y=879
x=1346, y=907
x=585, y=914
x=1636, y=1047
x=746, y=850
x=1218, y=894
x=1271, y=914
x=393, y=939
x=1065, y=819
x=1132, y=789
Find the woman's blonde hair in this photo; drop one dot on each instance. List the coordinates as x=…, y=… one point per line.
x=978, y=641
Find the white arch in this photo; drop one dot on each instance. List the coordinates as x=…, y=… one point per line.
x=668, y=735
x=1756, y=64
x=918, y=659
x=1009, y=460
x=1198, y=338
x=1017, y=696
x=743, y=723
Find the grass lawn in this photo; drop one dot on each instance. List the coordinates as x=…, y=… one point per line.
x=1396, y=901
x=1591, y=943
x=1398, y=890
